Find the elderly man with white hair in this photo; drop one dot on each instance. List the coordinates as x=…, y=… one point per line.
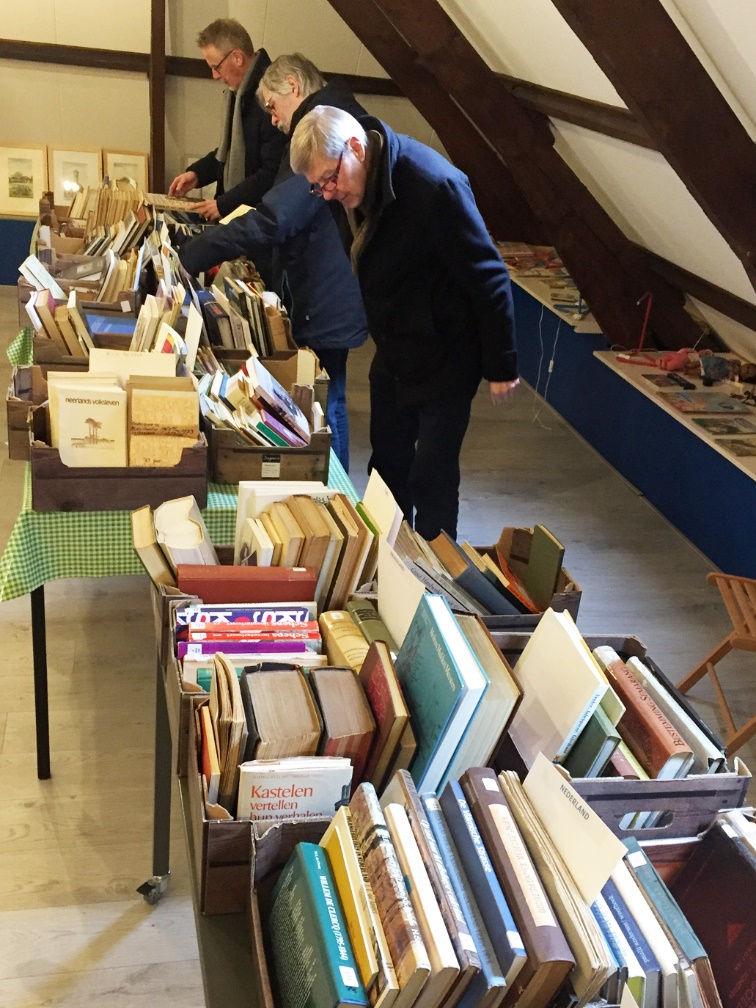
x=437, y=296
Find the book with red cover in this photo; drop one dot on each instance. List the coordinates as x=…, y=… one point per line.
x=348, y=723
x=656, y=743
x=226, y=583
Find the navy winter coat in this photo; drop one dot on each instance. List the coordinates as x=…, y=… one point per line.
x=327, y=311
x=263, y=147
x=436, y=292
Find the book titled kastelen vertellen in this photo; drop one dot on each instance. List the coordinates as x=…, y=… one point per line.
x=293, y=788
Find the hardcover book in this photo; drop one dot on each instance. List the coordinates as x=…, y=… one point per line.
x=296, y=787
x=348, y=723
x=313, y=960
x=224, y=583
x=282, y=717
x=442, y=683
x=373, y=841
x=384, y=694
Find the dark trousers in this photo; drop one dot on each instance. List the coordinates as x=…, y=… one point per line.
x=415, y=448
x=337, y=418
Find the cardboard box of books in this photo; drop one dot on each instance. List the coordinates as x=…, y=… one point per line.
x=227, y=850
x=513, y=551
x=106, y=484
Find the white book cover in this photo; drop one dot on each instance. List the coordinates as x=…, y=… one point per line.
x=562, y=686
x=91, y=427
x=382, y=507
x=298, y=787
x=257, y=546
x=444, y=966
x=127, y=363
x=180, y=530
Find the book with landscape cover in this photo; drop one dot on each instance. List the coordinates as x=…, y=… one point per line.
x=348, y=723
x=365, y=615
x=444, y=968
x=442, y=682
x=721, y=874
x=401, y=790
x=295, y=787
x=282, y=717
x=400, y=926
x=384, y=694
x=660, y=748
x=313, y=960
x=485, y=886
x=549, y=958
x=488, y=987
x=363, y=922
x=344, y=642
x=226, y=583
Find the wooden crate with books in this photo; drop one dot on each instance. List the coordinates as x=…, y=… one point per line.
x=27, y=392
x=531, y=559
x=640, y=748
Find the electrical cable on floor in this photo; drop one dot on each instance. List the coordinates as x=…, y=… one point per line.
x=538, y=407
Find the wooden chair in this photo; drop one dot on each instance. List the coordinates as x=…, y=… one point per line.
x=739, y=597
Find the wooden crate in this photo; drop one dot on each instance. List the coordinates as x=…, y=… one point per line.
x=282, y=365
x=515, y=543
x=58, y=487
x=26, y=393
x=232, y=459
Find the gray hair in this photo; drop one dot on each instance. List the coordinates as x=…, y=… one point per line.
x=226, y=33
x=294, y=65
x=322, y=133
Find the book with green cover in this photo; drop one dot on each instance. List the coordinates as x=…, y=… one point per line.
x=594, y=746
x=544, y=564
x=365, y=615
x=313, y=961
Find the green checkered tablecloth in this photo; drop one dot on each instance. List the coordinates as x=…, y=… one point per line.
x=19, y=349
x=62, y=544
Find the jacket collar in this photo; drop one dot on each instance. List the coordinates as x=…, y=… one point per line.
x=380, y=185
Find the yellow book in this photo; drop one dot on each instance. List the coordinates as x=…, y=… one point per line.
x=343, y=639
x=275, y=538
x=363, y=923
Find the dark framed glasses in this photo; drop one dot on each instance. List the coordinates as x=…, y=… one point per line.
x=215, y=67
x=328, y=184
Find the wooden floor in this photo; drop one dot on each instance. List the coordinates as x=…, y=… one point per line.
x=73, y=849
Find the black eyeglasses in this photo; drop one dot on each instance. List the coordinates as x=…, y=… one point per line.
x=215, y=67
x=329, y=184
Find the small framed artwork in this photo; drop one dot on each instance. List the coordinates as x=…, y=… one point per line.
x=126, y=164
x=23, y=179
x=73, y=170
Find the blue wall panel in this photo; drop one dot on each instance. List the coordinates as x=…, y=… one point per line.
x=15, y=239
x=709, y=499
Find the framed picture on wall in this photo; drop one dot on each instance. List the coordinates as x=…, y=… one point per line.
x=126, y=164
x=73, y=170
x=23, y=179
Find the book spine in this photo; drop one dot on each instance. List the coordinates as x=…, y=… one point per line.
x=340, y=981
x=384, y=874
x=580, y=724
x=488, y=986
x=486, y=889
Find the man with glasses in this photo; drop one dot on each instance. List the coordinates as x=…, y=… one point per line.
x=246, y=160
x=436, y=293
x=326, y=308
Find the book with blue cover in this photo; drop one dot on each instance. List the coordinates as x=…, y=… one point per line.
x=488, y=987
x=638, y=943
x=442, y=683
x=313, y=961
x=493, y=906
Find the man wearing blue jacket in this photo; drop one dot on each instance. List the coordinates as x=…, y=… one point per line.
x=437, y=296
x=327, y=312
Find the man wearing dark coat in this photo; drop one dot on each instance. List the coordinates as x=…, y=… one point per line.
x=326, y=307
x=247, y=158
x=437, y=296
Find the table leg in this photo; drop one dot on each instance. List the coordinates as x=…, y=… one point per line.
x=39, y=652
x=154, y=887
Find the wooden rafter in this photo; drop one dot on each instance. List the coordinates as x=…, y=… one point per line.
x=672, y=96
x=501, y=202
x=157, y=96
x=608, y=269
